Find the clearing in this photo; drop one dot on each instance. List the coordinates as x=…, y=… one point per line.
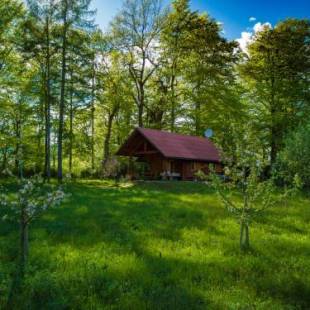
x=159, y=245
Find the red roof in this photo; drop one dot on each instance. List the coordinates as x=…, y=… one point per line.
x=172, y=145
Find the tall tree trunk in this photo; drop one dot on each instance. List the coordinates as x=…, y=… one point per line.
x=197, y=118
x=62, y=92
x=54, y=152
x=274, y=128
x=18, y=149
x=140, y=115
x=17, y=145
x=172, y=116
x=71, y=126
x=173, y=102
x=141, y=104
x=106, y=150
x=47, y=165
x=41, y=132
x=274, y=141
x=93, y=120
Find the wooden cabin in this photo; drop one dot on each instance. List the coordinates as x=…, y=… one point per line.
x=169, y=155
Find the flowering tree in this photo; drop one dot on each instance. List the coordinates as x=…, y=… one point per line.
x=245, y=175
x=31, y=200
x=257, y=196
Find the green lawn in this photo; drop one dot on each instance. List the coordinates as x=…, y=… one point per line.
x=159, y=246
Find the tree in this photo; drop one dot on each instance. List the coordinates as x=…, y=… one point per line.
x=257, y=196
x=81, y=89
x=294, y=159
x=244, y=175
x=114, y=95
x=209, y=73
x=278, y=80
x=135, y=32
x=173, y=52
x=11, y=11
x=31, y=201
x=38, y=44
x=70, y=13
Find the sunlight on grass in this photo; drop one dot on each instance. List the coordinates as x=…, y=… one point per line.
x=160, y=246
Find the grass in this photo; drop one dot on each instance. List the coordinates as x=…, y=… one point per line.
x=168, y=245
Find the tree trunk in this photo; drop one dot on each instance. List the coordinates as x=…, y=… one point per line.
x=19, y=151
x=54, y=151
x=198, y=118
x=17, y=145
x=93, y=120
x=274, y=115
x=173, y=101
x=71, y=128
x=41, y=132
x=141, y=105
x=62, y=91
x=47, y=166
x=140, y=115
x=172, y=120
x=244, y=236
x=106, y=151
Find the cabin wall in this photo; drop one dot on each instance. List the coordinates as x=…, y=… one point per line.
x=187, y=169
x=156, y=166
x=190, y=168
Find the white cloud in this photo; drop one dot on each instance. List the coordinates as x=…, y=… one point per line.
x=246, y=38
x=260, y=27
x=252, y=19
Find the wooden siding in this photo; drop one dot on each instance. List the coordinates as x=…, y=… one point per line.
x=187, y=169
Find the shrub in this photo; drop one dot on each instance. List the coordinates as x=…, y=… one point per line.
x=294, y=159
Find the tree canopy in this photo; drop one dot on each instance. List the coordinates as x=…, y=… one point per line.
x=71, y=93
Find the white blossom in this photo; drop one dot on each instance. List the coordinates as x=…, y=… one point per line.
x=32, y=199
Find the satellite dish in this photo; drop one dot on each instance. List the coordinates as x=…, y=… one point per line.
x=209, y=133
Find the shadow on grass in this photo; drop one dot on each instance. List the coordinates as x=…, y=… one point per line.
x=146, y=224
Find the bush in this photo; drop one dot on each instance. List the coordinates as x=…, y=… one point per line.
x=294, y=159
x=111, y=168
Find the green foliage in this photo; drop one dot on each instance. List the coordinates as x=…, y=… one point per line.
x=71, y=93
x=277, y=81
x=294, y=159
x=32, y=196
x=159, y=245
x=244, y=171
x=31, y=200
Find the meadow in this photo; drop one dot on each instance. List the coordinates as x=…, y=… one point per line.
x=158, y=245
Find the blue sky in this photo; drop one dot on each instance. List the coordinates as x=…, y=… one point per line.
x=234, y=14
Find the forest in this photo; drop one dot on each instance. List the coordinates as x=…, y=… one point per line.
x=70, y=95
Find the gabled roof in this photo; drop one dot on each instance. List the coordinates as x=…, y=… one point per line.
x=172, y=145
